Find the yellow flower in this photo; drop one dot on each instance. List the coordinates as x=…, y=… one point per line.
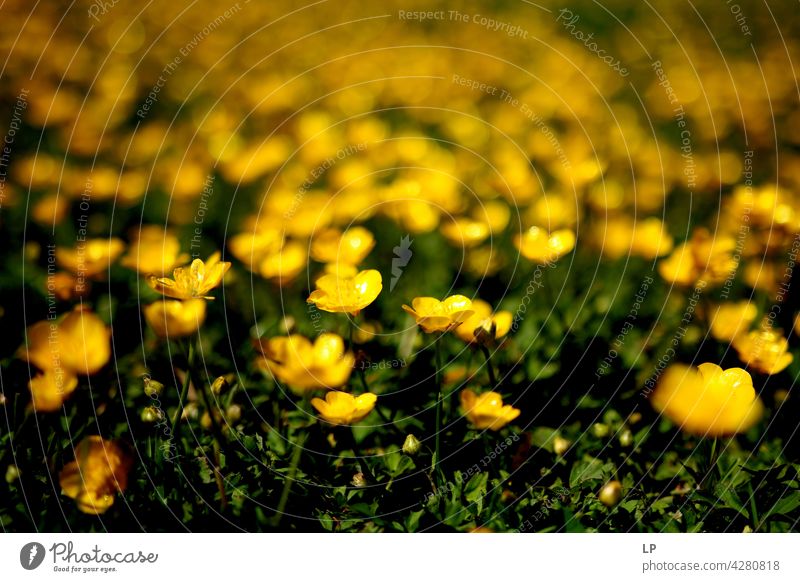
x=731, y=319
x=433, y=315
x=347, y=294
x=344, y=408
x=650, y=239
x=92, y=257
x=193, y=281
x=51, y=388
x=304, y=366
x=465, y=232
x=487, y=410
x=99, y=471
x=764, y=350
x=708, y=400
x=77, y=344
x=251, y=248
x=285, y=264
x=175, y=319
x=154, y=251
x=350, y=247
x=484, y=324
x=535, y=244
x=704, y=258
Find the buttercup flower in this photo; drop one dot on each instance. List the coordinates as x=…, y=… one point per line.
x=154, y=251
x=284, y=264
x=193, y=281
x=347, y=294
x=51, y=388
x=175, y=319
x=344, y=408
x=251, y=248
x=349, y=247
x=98, y=473
x=764, y=350
x=708, y=400
x=732, y=319
x=484, y=323
x=78, y=344
x=92, y=257
x=487, y=410
x=703, y=258
x=535, y=244
x=465, y=232
x=304, y=366
x=433, y=315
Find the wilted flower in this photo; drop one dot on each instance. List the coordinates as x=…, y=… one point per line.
x=193, y=281
x=304, y=366
x=708, y=400
x=732, y=319
x=433, y=315
x=347, y=294
x=483, y=324
x=764, y=350
x=487, y=410
x=535, y=244
x=98, y=473
x=154, y=251
x=175, y=319
x=92, y=257
x=79, y=343
x=344, y=408
x=349, y=247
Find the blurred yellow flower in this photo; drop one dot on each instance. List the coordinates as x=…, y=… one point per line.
x=347, y=294
x=153, y=251
x=77, y=344
x=465, y=232
x=90, y=258
x=344, y=408
x=193, y=281
x=251, y=248
x=732, y=319
x=284, y=264
x=708, y=400
x=175, y=319
x=484, y=324
x=433, y=315
x=535, y=244
x=704, y=257
x=487, y=410
x=650, y=239
x=304, y=366
x=98, y=473
x=349, y=247
x=51, y=388
x=764, y=350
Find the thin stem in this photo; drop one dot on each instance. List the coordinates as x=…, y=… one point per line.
x=437, y=435
x=287, y=483
x=489, y=367
x=184, y=390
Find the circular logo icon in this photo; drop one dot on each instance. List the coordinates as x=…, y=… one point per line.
x=31, y=555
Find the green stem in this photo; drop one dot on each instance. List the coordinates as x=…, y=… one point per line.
x=437, y=435
x=184, y=390
x=287, y=483
x=489, y=367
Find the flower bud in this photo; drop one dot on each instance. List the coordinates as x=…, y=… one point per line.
x=219, y=385
x=152, y=414
x=359, y=480
x=411, y=445
x=611, y=493
x=233, y=413
x=12, y=474
x=626, y=438
x=152, y=387
x=600, y=430
x=560, y=445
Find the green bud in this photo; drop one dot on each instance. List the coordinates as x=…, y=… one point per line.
x=611, y=493
x=411, y=445
x=152, y=387
x=12, y=474
x=152, y=414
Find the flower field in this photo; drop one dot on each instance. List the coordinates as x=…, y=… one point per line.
x=399, y=267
